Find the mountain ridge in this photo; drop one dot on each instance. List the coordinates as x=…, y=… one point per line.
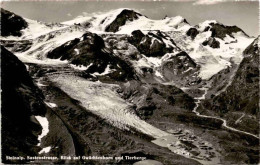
x=127, y=78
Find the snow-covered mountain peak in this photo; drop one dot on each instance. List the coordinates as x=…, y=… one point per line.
x=210, y=44
x=145, y=24
x=105, y=22
x=202, y=26
x=37, y=28
x=125, y=21
x=15, y=27
x=110, y=15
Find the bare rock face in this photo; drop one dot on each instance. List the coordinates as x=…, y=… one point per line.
x=192, y=32
x=121, y=19
x=181, y=61
x=21, y=99
x=153, y=44
x=148, y=99
x=212, y=42
x=90, y=52
x=220, y=31
x=11, y=24
x=181, y=67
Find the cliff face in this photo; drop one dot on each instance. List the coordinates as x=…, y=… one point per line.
x=11, y=24
x=21, y=99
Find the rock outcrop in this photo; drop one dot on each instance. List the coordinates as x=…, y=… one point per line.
x=192, y=32
x=153, y=44
x=220, y=31
x=212, y=42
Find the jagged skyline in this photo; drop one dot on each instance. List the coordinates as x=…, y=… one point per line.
x=229, y=13
x=120, y=88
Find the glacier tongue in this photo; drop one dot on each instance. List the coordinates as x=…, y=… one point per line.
x=102, y=100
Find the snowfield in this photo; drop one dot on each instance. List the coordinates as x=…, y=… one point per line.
x=45, y=43
x=212, y=60
x=102, y=100
x=36, y=29
x=144, y=24
x=98, y=23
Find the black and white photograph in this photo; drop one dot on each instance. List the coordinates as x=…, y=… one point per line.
x=130, y=82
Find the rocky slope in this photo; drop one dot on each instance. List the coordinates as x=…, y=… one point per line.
x=239, y=102
x=11, y=24
x=21, y=101
x=89, y=51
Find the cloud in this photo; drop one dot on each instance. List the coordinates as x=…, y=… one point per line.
x=205, y=2
x=69, y=15
x=86, y=14
x=210, y=2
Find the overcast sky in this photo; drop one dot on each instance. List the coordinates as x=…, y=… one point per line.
x=244, y=14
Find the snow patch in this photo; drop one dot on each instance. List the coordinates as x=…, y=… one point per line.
x=158, y=74
x=51, y=105
x=107, y=71
x=27, y=67
x=77, y=51
x=45, y=150
x=154, y=60
x=40, y=84
x=45, y=127
x=11, y=16
x=81, y=67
